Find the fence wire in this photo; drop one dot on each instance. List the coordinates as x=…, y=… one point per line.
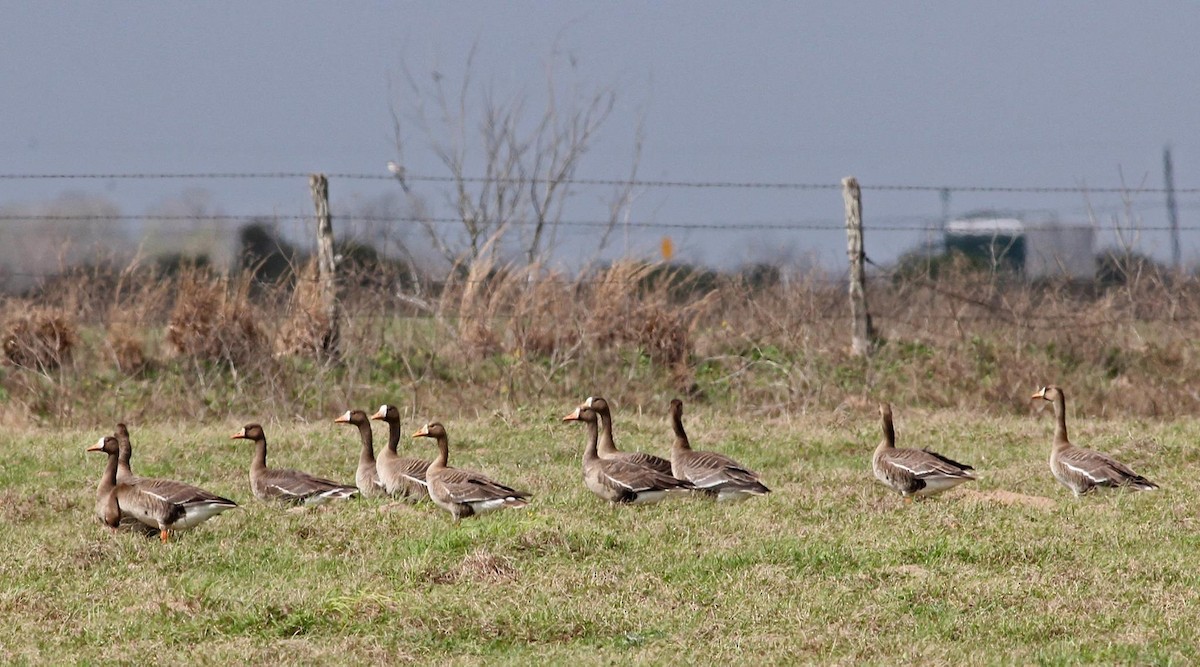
x=640, y=183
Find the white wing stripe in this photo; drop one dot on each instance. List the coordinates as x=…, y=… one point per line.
x=618, y=482
x=1085, y=473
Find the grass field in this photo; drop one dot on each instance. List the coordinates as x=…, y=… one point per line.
x=830, y=568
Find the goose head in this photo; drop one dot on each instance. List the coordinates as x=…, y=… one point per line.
x=106, y=444
x=582, y=414
x=249, y=432
x=431, y=430
x=387, y=413
x=356, y=417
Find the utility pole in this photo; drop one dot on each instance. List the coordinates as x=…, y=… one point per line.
x=1172, y=209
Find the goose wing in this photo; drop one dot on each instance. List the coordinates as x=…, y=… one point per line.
x=625, y=476
x=180, y=492
x=1102, y=469
x=302, y=487
x=645, y=460
x=923, y=464
x=718, y=474
x=464, y=486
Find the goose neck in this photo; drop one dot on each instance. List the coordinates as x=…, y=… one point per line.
x=260, y=454
x=368, y=443
x=681, y=438
x=393, y=434
x=606, y=444
x=593, y=435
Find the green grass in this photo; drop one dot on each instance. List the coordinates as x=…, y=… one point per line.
x=831, y=568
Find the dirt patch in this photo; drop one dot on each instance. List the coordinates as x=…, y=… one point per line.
x=481, y=565
x=909, y=570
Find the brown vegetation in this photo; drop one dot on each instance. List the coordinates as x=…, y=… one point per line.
x=641, y=332
x=37, y=337
x=214, y=321
x=306, y=329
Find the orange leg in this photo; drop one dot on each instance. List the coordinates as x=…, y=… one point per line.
x=163, y=535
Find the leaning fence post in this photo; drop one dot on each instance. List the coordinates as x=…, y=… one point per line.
x=862, y=334
x=326, y=275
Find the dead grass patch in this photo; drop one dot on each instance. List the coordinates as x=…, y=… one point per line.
x=214, y=320
x=479, y=566
x=39, y=337
x=308, y=327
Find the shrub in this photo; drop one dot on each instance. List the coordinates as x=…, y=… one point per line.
x=212, y=322
x=40, y=338
x=308, y=329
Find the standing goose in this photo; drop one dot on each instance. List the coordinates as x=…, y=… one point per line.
x=290, y=486
x=607, y=447
x=914, y=472
x=617, y=480
x=402, y=476
x=715, y=474
x=145, y=503
x=1079, y=469
x=199, y=504
x=463, y=493
x=169, y=489
x=366, y=477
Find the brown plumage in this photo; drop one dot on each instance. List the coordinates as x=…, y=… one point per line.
x=914, y=472
x=163, y=505
x=402, y=476
x=1082, y=470
x=199, y=504
x=715, y=474
x=607, y=447
x=621, y=481
x=291, y=486
x=366, y=476
x=463, y=493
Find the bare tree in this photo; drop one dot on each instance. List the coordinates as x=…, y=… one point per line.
x=509, y=169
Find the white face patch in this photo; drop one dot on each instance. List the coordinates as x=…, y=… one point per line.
x=589, y=400
x=346, y=417
x=100, y=443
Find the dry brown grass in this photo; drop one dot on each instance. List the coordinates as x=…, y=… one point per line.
x=37, y=337
x=214, y=320
x=638, y=331
x=307, y=328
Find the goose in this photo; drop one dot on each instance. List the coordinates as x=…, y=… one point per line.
x=366, y=477
x=914, y=472
x=290, y=486
x=617, y=480
x=463, y=493
x=607, y=448
x=402, y=476
x=715, y=474
x=166, y=510
x=171, y=490
x=1079, y=469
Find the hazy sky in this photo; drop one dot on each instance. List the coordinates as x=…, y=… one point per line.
x=943, y=93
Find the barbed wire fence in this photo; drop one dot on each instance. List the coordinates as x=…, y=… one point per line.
x=931, y=224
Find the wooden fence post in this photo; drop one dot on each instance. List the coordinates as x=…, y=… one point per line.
x=326, y=267
x=862, y=334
